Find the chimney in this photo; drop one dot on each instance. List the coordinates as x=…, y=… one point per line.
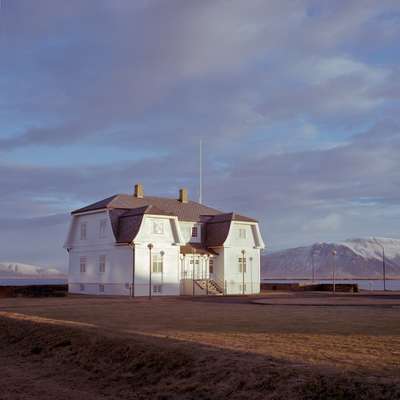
x=183, y=195
x=139, y=191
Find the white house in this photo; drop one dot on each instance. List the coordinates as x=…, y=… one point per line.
x=138, y=245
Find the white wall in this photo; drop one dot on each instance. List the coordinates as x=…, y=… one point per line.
x=232, y=252
x=118, y=270
x=93, y=230
x=169, y=278
x=117, y=278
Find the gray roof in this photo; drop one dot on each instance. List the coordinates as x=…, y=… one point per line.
x=190, y=211
x=127, y=211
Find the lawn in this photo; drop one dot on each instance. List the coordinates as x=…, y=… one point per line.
x=359, y=341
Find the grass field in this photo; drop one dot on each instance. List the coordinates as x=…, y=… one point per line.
x=356, y=346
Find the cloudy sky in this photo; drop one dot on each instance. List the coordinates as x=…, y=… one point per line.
x=297, y=104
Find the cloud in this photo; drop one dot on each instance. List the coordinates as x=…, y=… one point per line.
x=296, y=102
x=145, y=71
x=331, y=222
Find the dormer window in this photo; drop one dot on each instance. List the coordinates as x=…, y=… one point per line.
x=194, y=231
x=83, y=230
x=242, y=233
x=102, y=230
x=158, y=228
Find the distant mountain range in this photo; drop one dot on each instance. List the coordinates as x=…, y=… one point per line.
x=355, y=258
x=20, y=270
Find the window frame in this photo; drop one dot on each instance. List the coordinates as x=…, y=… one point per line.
x=103, y=228
x=157, y=264
x=242, y=233
x=242, y=264
x=83, y=230
x=82, y=264
x=195, y=232
x=211, y=266
x=159, y=224
x=157, y=288
x=102, y=263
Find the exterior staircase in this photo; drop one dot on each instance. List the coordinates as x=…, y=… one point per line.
x=213, y=288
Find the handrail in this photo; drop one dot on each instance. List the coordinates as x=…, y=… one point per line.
x=220, y=284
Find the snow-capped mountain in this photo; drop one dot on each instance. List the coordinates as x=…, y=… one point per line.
x=355, y=258
x=15, y=269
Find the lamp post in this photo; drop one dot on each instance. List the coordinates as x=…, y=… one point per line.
x=251, y=274
x=133, y=271
x=162, y=267
x=383, y=263
x=312, y=264
x=207, y=272
x=194, y=259
x=150, y=247
x=243, y=253
x=334, y=252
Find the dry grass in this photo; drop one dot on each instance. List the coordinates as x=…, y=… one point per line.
x=301, y=349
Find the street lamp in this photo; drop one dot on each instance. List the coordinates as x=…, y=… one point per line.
x=251, y=274
x=312, y=263
x=243, y=253
x=150, y=247
x=383, y=263
x=162, y=267
x=334, y=252
x=207, y=272
x=194, y=259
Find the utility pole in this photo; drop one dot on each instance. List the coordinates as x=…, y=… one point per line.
x=194, y=259
x=312, y=264
x=334, y=252
x=201, y=173
x=383, y=263
x=150, y=247
x=243, y=253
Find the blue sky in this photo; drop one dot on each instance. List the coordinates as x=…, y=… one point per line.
x=297, y=104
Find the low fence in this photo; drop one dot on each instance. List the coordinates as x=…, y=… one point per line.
x=318, y=287
x=34, y=291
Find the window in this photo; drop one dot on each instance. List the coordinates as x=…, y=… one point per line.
x=102, y=264
x=103, y=226
x=157, y=288
x=157, y=263
x=158, y=228
x=81, y=287
x=211, y=266
x=195, y=261
x=242, y=264
x=82, y=263
x=101, y=288
x=242, y=233
x=83, y=230
x=194, y=231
